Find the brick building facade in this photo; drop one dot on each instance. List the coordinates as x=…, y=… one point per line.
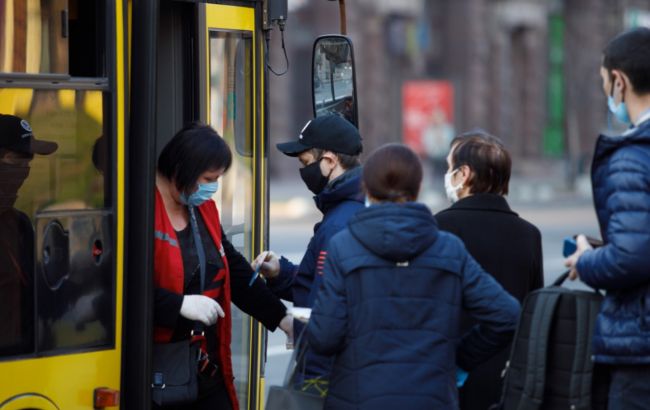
x=525, y=70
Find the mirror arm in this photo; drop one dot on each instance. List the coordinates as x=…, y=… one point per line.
x=343, y=17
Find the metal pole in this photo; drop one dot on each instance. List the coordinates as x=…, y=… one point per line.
x=344, y=28
x=141, y=165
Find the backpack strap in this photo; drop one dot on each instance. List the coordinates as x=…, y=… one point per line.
x=535, y=378
x=581, y=374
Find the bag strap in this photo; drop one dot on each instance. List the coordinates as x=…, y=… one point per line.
x=564, y=276
x=297, y=356
x=583, y=366
x=199, y=244
x=535, y=378
x=198, y=326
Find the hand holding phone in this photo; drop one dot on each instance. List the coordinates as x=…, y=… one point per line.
x=571, y=246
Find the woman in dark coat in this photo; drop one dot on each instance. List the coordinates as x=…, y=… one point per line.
x=393, y=291
x=505, y=245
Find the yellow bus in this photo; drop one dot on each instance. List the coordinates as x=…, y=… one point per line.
x=110, y=81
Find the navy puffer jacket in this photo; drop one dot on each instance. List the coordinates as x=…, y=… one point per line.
x=621, y=190
x=341, y=199
x=389, y=310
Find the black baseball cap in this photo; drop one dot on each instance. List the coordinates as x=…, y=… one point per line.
x=329, y=132
x=16, y=135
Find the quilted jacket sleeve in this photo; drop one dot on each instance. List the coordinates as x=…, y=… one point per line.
x=623, y=262
x=495, y=310
x=328, y=323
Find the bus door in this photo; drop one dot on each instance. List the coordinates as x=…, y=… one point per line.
x=60, y=237
x=230, y=91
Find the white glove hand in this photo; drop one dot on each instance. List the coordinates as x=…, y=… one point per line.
x=268, y=263
x=201, y=308
x=286, y=324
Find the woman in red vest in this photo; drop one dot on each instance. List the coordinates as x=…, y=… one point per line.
x=188, y=235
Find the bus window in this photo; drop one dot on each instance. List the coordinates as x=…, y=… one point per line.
x=67, y=198
x=52, y=37
x=231, y=115
x=32, y=38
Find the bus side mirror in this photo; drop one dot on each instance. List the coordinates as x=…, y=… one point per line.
x=333, y=81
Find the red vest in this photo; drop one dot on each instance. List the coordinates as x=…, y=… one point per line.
x=169, y=275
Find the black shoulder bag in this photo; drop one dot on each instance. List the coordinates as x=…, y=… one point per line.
x=175, y=365
x=287, y=396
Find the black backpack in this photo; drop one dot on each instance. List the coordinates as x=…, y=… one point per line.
x=550, y=365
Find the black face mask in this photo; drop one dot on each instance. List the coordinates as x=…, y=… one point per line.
x=11, y=179
x=313, y=177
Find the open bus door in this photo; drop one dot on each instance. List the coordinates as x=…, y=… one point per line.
x=207, y=63
x=231, y=87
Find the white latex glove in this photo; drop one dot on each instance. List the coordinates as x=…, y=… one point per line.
x=201, y=308
x=268, y=263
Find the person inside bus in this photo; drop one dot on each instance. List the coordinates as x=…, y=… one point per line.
x=188, y=173
x=394, y=290
x=328, y=149
x=17, y=149
x=476, y=182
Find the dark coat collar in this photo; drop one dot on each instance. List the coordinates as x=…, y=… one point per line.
x=482, y=202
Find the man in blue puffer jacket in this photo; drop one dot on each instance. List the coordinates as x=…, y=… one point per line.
x=328, y=149
x=621, y=189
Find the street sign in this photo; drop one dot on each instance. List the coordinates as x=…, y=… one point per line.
x=428, y=116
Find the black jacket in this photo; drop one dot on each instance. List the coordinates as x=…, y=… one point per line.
x=510, y=249
x=256, y=300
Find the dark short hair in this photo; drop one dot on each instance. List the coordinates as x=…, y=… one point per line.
x=393, y=172
x=630, y=53
x=486, y=157
x=346, y=161
x=195, y=149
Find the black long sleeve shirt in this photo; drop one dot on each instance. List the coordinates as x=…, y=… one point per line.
x=256, y=300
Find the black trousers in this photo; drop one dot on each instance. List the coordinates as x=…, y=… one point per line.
x=629, y=388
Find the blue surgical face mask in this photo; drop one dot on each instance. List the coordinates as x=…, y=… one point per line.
x=619, y=110
x=202, y=194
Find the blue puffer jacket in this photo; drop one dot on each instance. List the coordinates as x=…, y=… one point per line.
x=341, y=199
x=389, y=310
x=621, y=190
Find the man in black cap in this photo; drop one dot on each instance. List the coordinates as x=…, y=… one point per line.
x=17, y=148
x=328, y=148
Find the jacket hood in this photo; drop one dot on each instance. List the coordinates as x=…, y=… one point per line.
x=346, y=187
x=397, y=232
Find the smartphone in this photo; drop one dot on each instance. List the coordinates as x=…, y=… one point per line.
x=570, y=245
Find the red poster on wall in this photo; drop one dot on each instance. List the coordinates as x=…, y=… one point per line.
x=428, y=116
